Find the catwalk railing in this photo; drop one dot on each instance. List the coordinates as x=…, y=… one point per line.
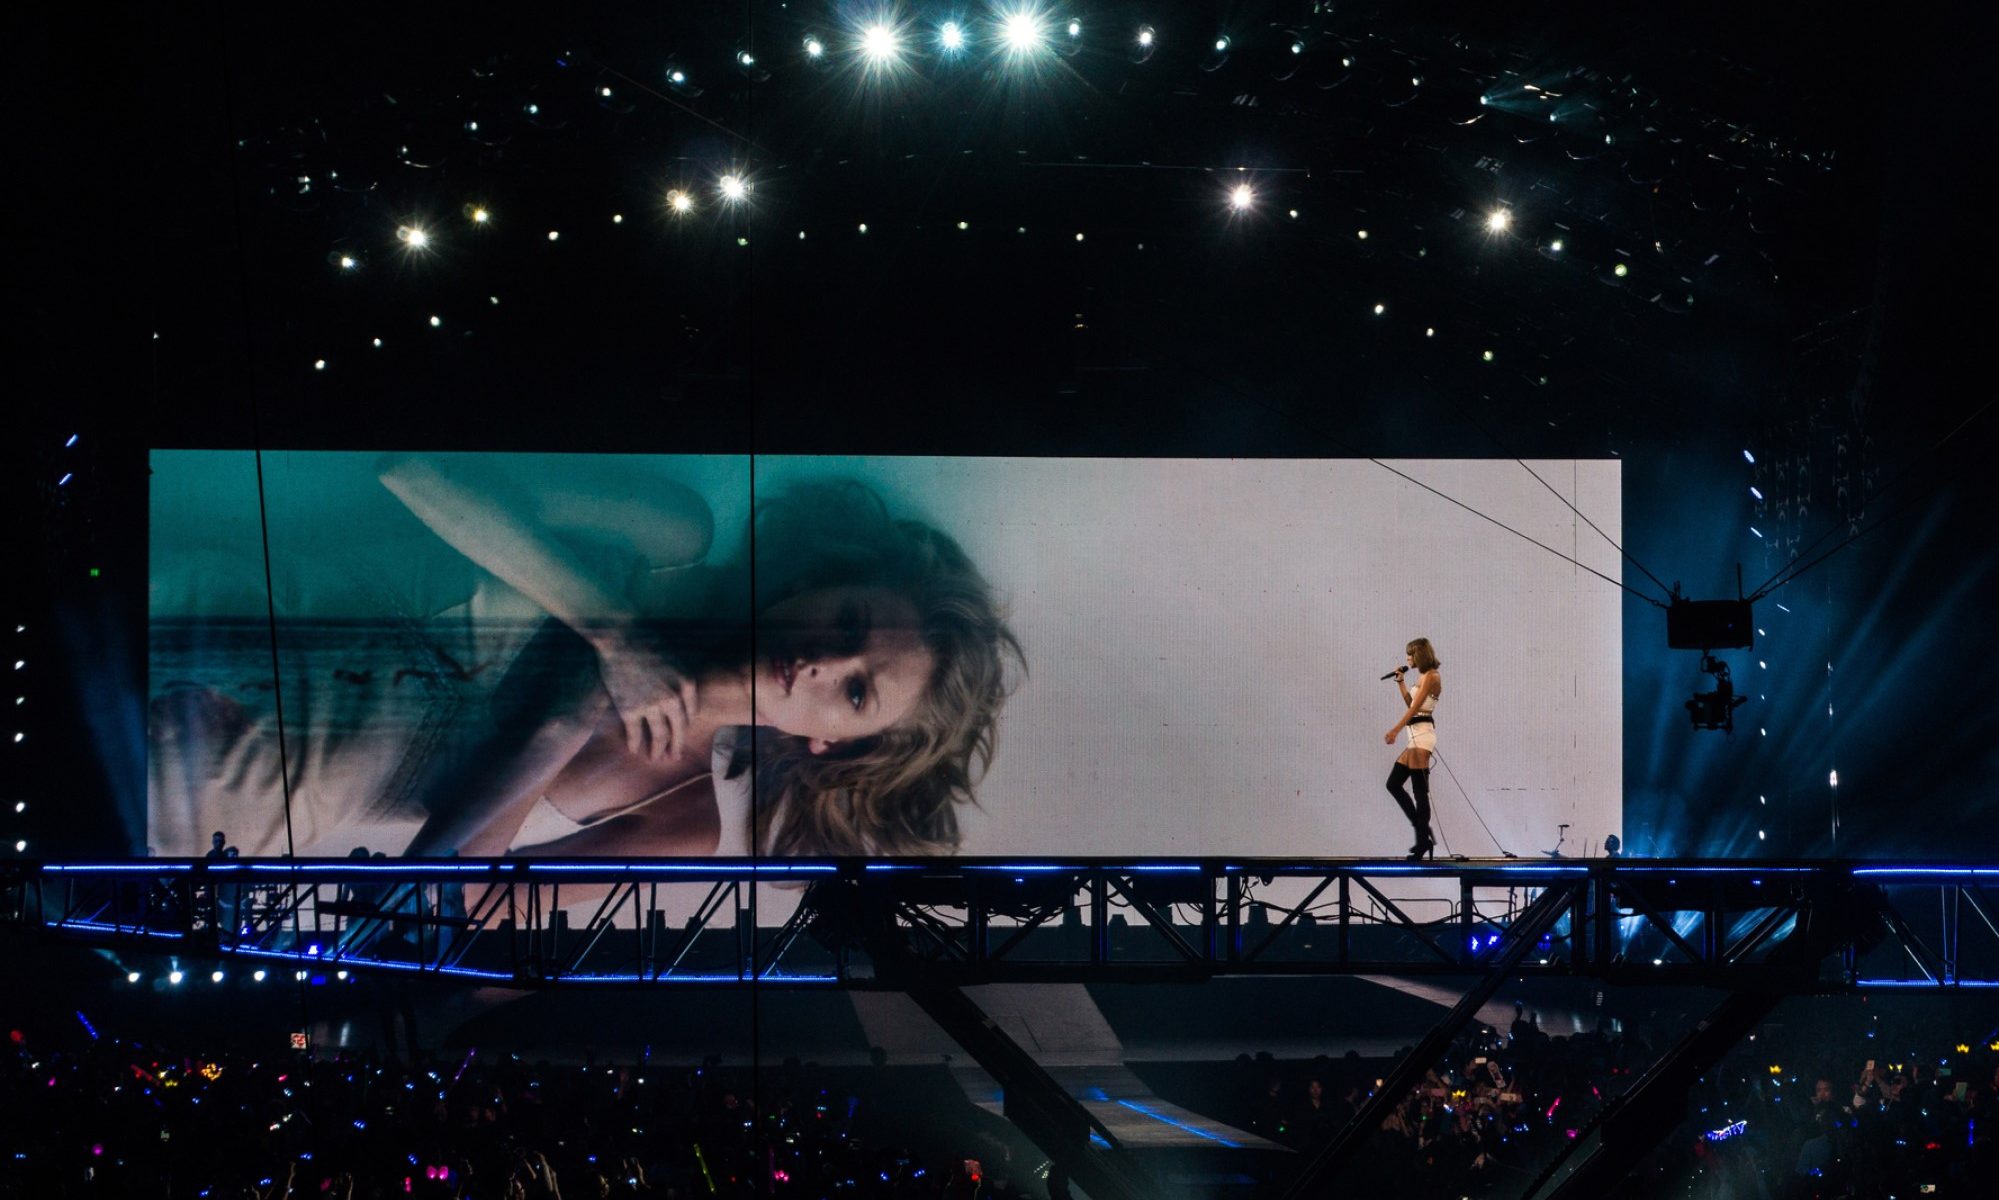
x=732, y=922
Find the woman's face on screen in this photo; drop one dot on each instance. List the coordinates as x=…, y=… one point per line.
x=836, y=664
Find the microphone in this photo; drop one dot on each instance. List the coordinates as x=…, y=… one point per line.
x=1394, y=673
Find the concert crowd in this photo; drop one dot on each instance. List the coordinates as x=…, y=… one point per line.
x=111, y=1118
x=1789, y=1113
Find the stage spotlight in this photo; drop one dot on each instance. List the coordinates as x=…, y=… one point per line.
x=258, y=975
x=215, y=977
x=880, y=45
x=679, y=201
x=1218, y=53
x=21, y=847
x=412, y=236
x=733, y=188
x=1556, y=245
x=1021, y=30
x=1241, y=196
x=746, y=62
x=1498, y=221
x=340, y=974
x=1142, y=46
x=815, y=49
x=1620, y=270
x=951, y=36
x=174, y=977
x=131, y=977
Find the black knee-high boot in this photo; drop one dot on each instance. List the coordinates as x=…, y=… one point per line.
x=1396, y=780
x=1420, y=780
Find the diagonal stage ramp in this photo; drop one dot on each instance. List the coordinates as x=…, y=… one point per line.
x=1068, y=1035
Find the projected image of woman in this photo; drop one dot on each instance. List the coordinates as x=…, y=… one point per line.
x=1412, y=766
x=623, y=708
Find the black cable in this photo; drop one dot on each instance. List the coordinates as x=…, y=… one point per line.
x=1592, y=524
x=1194, y=368
x=1516, y=533
x=263, y=515
x=1470, y=419
x=1474, y=808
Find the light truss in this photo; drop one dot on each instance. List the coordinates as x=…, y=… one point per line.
x=731, y=922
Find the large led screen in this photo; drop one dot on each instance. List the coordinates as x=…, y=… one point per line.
x=654, y=655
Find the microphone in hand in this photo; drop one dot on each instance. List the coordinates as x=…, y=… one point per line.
x=1392, y=674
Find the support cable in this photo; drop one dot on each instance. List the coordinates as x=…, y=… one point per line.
x=257, y=450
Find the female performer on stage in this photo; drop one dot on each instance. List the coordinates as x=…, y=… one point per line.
x=1413, y=764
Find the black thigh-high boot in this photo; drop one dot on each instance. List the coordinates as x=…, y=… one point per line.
x=1420, y=781
x=1397, y=778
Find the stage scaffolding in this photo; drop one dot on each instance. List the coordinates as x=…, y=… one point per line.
x=1755, y=931
x=856, y=924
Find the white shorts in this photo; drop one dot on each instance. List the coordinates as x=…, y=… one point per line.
x=1422, y=735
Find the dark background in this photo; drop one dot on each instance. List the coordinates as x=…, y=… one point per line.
x=1796, y=189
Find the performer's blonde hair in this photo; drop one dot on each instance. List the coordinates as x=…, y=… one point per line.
x=1424, y=654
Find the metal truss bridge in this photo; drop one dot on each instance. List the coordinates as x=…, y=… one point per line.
x=1756, y=931
x=735, y=922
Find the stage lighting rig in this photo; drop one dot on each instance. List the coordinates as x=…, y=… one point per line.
x=1710, y=625
x=1707, y=626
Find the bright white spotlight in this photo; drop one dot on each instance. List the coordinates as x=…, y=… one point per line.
x=1075, y=29
x=174, y=977
x=413, y=236
x=814, y=48
x=1297, y=47
x=258, y=975
x=733, y=188
x=1222, y=44
x=1556, y=245
x=1241, y=196
x=215, y=977
x=1022, y=31
x=951, y=36
x=679, y=201
x=131, y=977
x=1145, y=36
x=1499, y=220
x=340, y=974
x=880, y=44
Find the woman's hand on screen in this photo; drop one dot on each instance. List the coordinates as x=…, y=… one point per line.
x=1388, y=739
x=654, y=699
